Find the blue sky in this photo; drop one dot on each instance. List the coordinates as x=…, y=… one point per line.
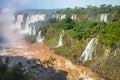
x=53, y=4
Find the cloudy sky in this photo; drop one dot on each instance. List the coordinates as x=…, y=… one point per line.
x=48, y=4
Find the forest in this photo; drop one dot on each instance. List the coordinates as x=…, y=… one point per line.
x=78, y=32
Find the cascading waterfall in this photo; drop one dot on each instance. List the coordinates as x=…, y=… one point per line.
x=30, y=19
x=27, y=28
x=89, y=50
x=60, y=16
x=60, y=40
x=32, y=30
x=19, y=21
x=63, y=16
x=74, y=17
x=33, y=19
x=103, y=17
x=40, y=37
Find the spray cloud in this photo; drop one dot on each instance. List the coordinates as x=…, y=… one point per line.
x=7, y=18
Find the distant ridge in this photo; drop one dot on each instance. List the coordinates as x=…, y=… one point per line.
x=36, y=11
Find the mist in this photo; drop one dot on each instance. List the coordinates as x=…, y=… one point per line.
x=8, y=28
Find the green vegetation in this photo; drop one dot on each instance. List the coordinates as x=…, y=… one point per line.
x=76, y=37
x=110, y=34
x=110, y=71
x=93, y=12
x=80, y=32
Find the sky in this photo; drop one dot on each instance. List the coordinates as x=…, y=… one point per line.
x=55, y=4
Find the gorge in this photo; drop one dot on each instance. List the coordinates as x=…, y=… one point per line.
x=61, y=45
x=26, y=55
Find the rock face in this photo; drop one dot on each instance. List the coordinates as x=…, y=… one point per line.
x=89, y=50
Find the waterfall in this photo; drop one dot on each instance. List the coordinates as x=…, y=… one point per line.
x=33, y=19
x=28, y=20
x=89, y=50
x=19, y=21
x=40, y=37
x=57, y=16
x=74, y=17
x=103, y=17
x=60, y=40
x=32, y=30
x=62, y=16
x=27, y=28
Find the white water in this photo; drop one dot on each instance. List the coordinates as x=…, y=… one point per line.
x=19, y=21
x=63, y=16
x=74, y=17
x=60, y=40
x=60, y=16
x=103, y=17
x=31, y=30
x=33, y=19
x=34, y=30
x=40, y=37
x=89, y=50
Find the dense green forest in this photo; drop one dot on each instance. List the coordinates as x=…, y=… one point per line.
x=84, y=30
x=78, y=33
x=76, y=37
x=93, y=12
